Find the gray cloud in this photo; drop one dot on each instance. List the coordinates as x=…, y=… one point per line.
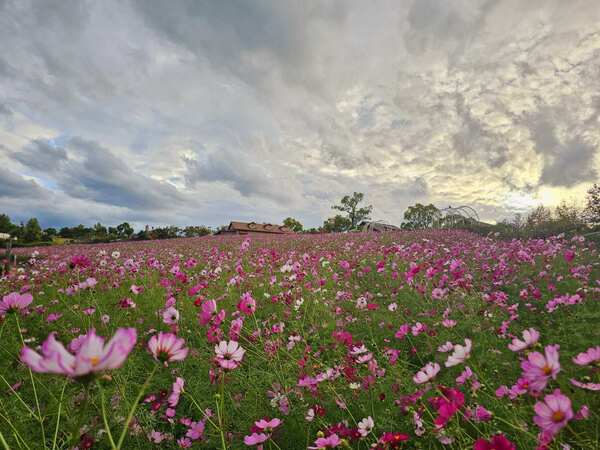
x=274, y=108
x=14, y=186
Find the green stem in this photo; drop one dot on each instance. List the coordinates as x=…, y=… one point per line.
x=104, y=418
x=37, y=401
x=3, y=442
x=134, y=407
x=220, y=412
x=58, y=416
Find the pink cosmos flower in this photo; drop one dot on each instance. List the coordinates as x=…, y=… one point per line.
x=328, y=442
x=207, y=310
x=229, y=354
x=195, y=430
x=170, y=316
x=167, y=347
x=427, y=373
x=267, y=425
x=588, y=386
x=461, y=354
x=255, y=439
x=553, y=413
x=538, y=368
x=447, y=405
x=247, y=304
x=498, y=442
x=445, y=348
x=176, y=391
x=91, y=355
x=136, y=289
x=530, y=338
x=365, y=426
x=14, y=302
x=590, y=356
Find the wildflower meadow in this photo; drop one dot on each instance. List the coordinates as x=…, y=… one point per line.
x=415, y=340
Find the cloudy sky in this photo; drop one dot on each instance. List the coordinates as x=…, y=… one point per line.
x=199, y=112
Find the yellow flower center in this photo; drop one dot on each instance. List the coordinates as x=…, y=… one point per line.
x=547, y=370
x=94, y=360
x=558, y=416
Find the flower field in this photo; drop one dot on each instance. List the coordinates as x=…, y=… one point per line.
x=397, y=340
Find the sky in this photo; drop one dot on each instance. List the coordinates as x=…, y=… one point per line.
x=200, y=112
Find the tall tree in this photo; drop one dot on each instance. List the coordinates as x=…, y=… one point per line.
x=355, y=214
x=592, y=207
x=419, y=216
x=293, y=224
x=33, y=231
x=6, y=226
x=124, y=230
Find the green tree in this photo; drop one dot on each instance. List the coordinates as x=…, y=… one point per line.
x=100, y=231
x=349, y=205
x=337, y=224
x=293, y=224
x=124, y=230
x=419, y=216
x=49, y=234
x=6, y=226
x=33, y=231
x=592, y=208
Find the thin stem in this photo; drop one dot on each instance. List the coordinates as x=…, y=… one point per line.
x=134, y=407
x=37, y=401
x=3, y=442
x=104, y=418
x=58, y=416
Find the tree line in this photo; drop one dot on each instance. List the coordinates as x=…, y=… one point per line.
x=540, y=222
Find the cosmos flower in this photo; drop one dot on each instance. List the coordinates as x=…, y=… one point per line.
x=461, y=354
x=14, y=302
x=365, y=426
x=538, y=368
x=497, y=442
x=167, y=347
x=91, y=354
x=590, y=356
x=330, y=441
x=530, y=338
x=229, y=354
x=553, y=413
x=247, y=304
x=427, y=373
x=170, y=316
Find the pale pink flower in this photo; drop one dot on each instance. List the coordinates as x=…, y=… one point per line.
x=167, y=347
x=587, y=386
x=136, y=289
x=530, y=338
x=176, y=391
x=445, y=348
x=427, y=373
x=365, y=426
x=538, y=368
x=91, y=355
x=170, y=316
x=590, y=356
x=229, y=354
x=460, y=354
x=14, y=302
x=553, y=413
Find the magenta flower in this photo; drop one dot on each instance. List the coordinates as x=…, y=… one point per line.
x=427, y=373
x=91, y=355
x=498, y=442
x=176, y=391
x=590, y=356
x=530, y=338
x=167, y=347
x=553, y=413
x=207, y=310
x=247, y=304
x=229, y=354
x=14, y=302
x=328, y=442
x=538, y=368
